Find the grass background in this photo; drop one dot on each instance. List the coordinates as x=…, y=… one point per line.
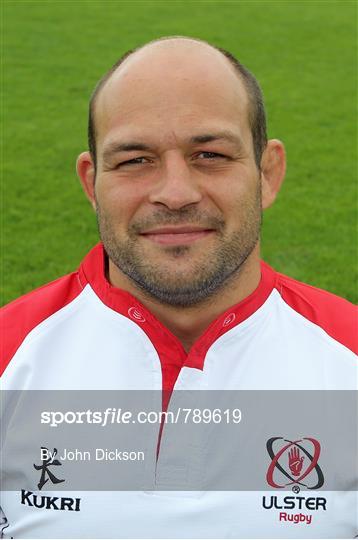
x=303, y=53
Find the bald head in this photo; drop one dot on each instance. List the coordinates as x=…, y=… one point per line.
x=171, y=67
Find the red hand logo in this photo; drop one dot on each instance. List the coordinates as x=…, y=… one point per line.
x=295, y=462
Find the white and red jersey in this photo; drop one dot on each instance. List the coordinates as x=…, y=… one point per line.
x=79, y=332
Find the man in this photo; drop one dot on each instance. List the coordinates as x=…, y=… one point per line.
x=176, y=297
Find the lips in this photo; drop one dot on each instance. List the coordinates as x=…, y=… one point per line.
x=177, y=235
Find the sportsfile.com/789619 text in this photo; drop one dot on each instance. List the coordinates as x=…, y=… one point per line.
x=112, y=415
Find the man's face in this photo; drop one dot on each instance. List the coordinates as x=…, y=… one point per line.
x=177, y=190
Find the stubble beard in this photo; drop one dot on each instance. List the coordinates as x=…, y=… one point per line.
x=208, y=276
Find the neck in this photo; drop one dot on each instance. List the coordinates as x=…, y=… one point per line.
x=187, y=324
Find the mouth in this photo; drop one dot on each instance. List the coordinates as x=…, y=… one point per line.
x=174, y=236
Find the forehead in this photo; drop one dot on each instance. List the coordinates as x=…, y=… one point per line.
x=173, y=89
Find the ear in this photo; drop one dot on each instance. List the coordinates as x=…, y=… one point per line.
x=273, y=169
x=86, y=173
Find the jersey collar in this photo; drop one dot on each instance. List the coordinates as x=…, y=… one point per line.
x=92, y=271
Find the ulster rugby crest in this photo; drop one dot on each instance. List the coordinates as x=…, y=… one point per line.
x=297, y=461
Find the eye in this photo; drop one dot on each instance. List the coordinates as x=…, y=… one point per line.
x=134, y=161
x=211, y=155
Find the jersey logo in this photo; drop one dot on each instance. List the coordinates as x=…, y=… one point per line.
x=47, y=462
x=136, y=315
x=294, y=461
x=47, y=502
x=289, y=459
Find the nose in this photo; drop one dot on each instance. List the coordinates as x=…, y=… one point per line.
x=176, y=186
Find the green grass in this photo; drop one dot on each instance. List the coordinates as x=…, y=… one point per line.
x=304, y=55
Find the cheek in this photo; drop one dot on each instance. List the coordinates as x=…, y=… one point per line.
x=235, y=196
x=119, y=201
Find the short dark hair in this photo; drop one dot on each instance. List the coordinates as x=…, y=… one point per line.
x=257, y=116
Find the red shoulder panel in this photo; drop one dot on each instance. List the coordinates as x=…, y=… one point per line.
x=335, y=315
x=18, y=318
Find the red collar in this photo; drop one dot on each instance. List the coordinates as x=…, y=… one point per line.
x=92, y=271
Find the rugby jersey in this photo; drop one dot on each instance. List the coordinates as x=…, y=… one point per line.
x=81, y=333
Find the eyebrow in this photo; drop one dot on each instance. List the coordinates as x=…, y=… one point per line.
x=116, y=148
x=220, y=135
